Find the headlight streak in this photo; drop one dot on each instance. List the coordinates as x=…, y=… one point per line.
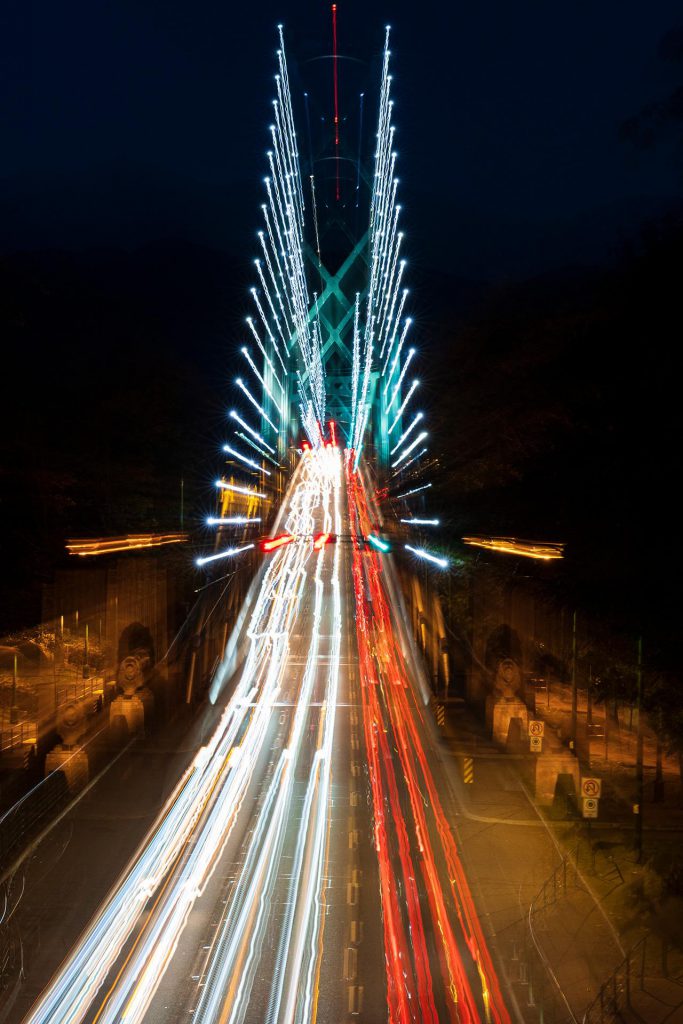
x=214, y=785
x=230, y=973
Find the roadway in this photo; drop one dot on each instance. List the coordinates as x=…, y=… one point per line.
x=304, y=867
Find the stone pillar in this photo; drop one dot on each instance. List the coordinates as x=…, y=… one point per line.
x=500, y=711
x=548, y=768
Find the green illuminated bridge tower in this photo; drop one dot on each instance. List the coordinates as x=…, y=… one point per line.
x=328, y=337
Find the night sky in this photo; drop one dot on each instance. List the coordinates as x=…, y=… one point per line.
x=541, y=164
x=129, y=121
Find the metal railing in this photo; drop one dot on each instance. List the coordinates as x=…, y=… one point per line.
x=618, y=994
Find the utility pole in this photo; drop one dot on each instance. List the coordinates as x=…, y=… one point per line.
x=574, y=690
x=182, y=503
x=638, y=808
x=14, y=714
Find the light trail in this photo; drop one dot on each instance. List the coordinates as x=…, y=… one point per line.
x=232, y=521
x=403, y=405
x=545, y=551
x=407, y=432
x=393, y=723
x=205, y=559
x=250, y=430
x=413, y=444
x=245, y=390
x=207, y=799
x=131, y=542
x=421, y=522
x=235, y=488
x=243, y=458
x=443, y=563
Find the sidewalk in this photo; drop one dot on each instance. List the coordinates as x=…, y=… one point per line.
x=558, y=940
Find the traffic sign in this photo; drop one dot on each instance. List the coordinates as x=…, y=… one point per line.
x=468, y=770
x=536, y=744
x=536, y=727
x=590, y=807
x=591, y=787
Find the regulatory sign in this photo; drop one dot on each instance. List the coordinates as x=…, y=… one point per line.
x=591, y=788
x=590, y=807
x=536, y=744
x=536, y=727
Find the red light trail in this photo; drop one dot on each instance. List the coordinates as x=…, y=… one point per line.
x=273, y=543
x=392, y=721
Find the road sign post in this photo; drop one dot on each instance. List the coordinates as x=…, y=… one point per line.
x=536, y=732
x=591, y=788
x=590, y=807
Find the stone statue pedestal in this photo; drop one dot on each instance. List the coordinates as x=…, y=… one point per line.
x=73, y=763
x=548, y=768
x=131, y=709
x=500, y=711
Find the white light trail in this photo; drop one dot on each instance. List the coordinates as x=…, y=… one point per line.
x=407, y=432
x=238, y=490
x=390, y=335
x=205, y=559
x=397, y=389
x=397, y=355
x=410, y=462
x=250, y=430
x=443, y=563
x=231, y=521
x=403, y=405
x=415, y=490
x=252, y=444
x=243, y=387
x=420, y=437
x=245, y=460
x=421, y=522
x=265, y=355
x=247, y=355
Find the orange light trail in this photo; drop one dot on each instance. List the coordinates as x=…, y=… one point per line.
x=130, y=542
x=545, y=552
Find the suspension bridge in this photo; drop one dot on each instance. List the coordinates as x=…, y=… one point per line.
x=304, y=867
